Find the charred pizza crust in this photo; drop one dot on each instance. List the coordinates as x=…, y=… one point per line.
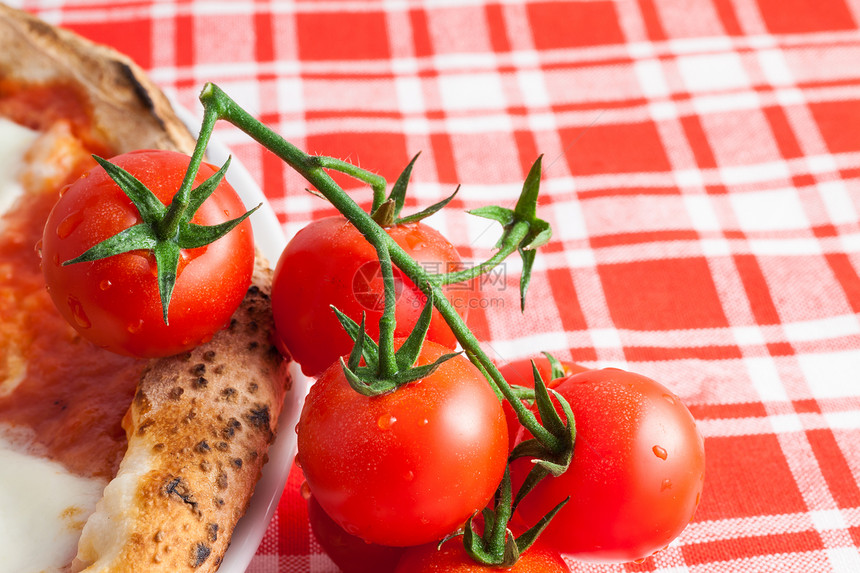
x=128, y=110
x=200, y=424
x=198, y=428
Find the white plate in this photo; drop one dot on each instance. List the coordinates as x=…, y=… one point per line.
x=270, y=239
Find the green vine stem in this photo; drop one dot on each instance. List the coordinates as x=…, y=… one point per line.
x=170, y=225
x=218, y=105
x=377, y=183
x=387, y=360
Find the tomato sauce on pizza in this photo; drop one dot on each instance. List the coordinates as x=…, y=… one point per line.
x=40, y=106
x=59, y=390
x=78, y=493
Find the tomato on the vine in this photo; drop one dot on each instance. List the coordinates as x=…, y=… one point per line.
x=520, y=373
x=350, y=553
x=452, y=558
x=114, y=302
x=329, y=262
x=637, y=471
x=409, y=466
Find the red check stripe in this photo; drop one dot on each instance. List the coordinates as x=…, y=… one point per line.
x=702, y=175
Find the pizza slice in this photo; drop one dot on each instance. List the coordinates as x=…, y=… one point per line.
x=109, y=463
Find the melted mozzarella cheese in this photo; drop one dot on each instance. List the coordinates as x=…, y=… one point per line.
x=42, y=511
x=15, y=140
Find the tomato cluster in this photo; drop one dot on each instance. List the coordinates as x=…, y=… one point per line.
x=392, y=474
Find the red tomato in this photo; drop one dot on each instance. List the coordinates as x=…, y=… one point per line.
x=329, y=262
x=637, y=471
x=520, y=373
x=410, y=466
x=114, y=302
x=452, y=558
x=350, y=553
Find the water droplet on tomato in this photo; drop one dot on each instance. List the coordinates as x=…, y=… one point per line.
x=640, y=560
x=39, y=249
x=64, y=189
x=667, y=484
x=409, y=476
x=105, y=284
x=669, y=398
x=56, y=259
x=415, y=240
x=385, y=421
x=297, y=461
x=80, y=317
x=423, y=422
x=135, y=327
x=660, y=452
x=305, y=490
x=68, y=225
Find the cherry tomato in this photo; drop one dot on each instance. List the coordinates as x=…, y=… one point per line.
x=452, y=558
x=114, y=302
x=350, y=553
x=329, y=262
x=410, y=466
x=520, y=373
x=636, y=475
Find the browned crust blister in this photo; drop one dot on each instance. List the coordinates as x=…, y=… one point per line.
x=202, y=423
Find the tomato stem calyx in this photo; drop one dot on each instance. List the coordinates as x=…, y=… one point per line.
x=387, y=213
x=547, y=460
x=164, y=230
x=556, y=367
x=522, y=231
x=497, y=546
x=370, y=379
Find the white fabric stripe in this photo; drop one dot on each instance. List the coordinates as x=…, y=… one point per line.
x=833, y=330
x=796, y=562
x=710, y=531
x=713, y=249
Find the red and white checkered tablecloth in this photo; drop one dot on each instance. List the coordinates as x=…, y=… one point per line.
x=702, y=177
